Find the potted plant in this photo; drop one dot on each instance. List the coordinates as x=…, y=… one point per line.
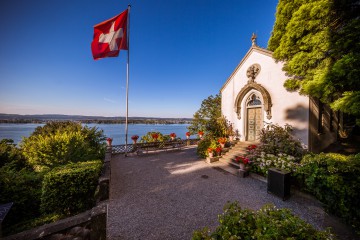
x=210, y=152
x=173, y=136
x=201, y=133
x=222, y=141
x=188, y=135
x=218, y=151
x=155, y=136
x=243, y=161
x=109, y=141
x=135, y=138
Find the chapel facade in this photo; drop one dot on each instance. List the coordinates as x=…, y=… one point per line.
x=254, y=96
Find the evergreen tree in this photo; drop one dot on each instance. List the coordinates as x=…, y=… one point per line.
x=318, y=40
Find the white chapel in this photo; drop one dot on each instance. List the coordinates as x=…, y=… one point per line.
x=254, y=96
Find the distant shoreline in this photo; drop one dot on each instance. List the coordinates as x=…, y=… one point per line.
x=22, y=121
x=42, y=119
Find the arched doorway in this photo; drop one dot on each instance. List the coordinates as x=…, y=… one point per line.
x=254, y=117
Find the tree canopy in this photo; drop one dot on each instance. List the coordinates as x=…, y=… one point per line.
x=209, y=119
x=318, y=40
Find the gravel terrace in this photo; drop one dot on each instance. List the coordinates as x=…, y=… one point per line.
x=168, y=195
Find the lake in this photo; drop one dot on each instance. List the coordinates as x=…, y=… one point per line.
x=116, y=131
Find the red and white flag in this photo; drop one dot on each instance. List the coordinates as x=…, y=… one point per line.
x=110, y=37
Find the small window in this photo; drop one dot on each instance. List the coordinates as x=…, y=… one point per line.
x=253, y=100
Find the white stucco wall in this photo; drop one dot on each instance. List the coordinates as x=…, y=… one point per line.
x=287, y=108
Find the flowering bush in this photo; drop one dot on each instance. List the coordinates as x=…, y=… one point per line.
x=155, y=136
x=134, y=137
x=276, y=139
x=173, y=135
x=281, y=160
x=222, y=140
x=251, y=147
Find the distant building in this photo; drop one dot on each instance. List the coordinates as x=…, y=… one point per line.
x=254, y=95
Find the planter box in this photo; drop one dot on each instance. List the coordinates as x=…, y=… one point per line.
x=279, y=183
x=212, y=159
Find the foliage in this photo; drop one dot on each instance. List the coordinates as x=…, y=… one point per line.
x=149, y=137
x=335, y=180
x=23, y=188
x=59, y=143
x=32, y=223
x=275, y=139
x=267, y=223
x=262, y=163
x=11, y=155
x=208, y=118
x=204, y=145
x=70, y=189
x=318, y=40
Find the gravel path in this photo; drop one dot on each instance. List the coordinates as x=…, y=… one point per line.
x=168, y=195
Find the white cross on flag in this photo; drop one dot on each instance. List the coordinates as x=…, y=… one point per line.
x=110, y=37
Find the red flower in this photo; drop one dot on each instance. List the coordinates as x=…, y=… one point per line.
x=244, y=160
x=135, y=137
x=172, y=135
x=155, y=136
x=222, y=140
x=210, y=150
x=201, y=133
x=218, y=149
x=109, y=139
x=188, y=134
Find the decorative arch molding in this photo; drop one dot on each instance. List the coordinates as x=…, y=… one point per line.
x=248, y=87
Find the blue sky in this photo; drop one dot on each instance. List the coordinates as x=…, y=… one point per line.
x=181, y=52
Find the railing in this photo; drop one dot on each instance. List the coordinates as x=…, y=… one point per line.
x=153, y=146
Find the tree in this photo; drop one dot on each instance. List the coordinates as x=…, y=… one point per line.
x=209, y=119
x=318, y=42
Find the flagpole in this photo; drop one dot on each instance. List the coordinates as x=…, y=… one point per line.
x=127, y=79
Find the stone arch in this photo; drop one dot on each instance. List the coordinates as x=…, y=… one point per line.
x=265, y=95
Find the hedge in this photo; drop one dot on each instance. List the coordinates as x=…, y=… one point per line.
x=334, y=179
x=70, y=189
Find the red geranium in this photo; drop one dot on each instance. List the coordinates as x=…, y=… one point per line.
x=244, y=160
x=172, y=135
x=218, y=149
x=188, y=134
x=155, y=136
x=201, y=133
x=134, y=137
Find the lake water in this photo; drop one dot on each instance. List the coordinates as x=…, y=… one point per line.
x=115, y=131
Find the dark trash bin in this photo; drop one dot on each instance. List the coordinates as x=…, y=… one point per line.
x=279, y=183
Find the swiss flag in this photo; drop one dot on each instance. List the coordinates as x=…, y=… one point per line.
x=110, y=37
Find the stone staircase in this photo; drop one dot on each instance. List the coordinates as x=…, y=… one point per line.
x=239, y=149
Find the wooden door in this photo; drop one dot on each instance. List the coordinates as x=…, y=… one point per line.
x=253, y=124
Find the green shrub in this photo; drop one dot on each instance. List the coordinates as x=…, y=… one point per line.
x=149, y=137
x=335, y=180
x=59, y=143
x=204, y=144
x=23, y=188
x=267, y=223
x=70, y=189
x=275, y=139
